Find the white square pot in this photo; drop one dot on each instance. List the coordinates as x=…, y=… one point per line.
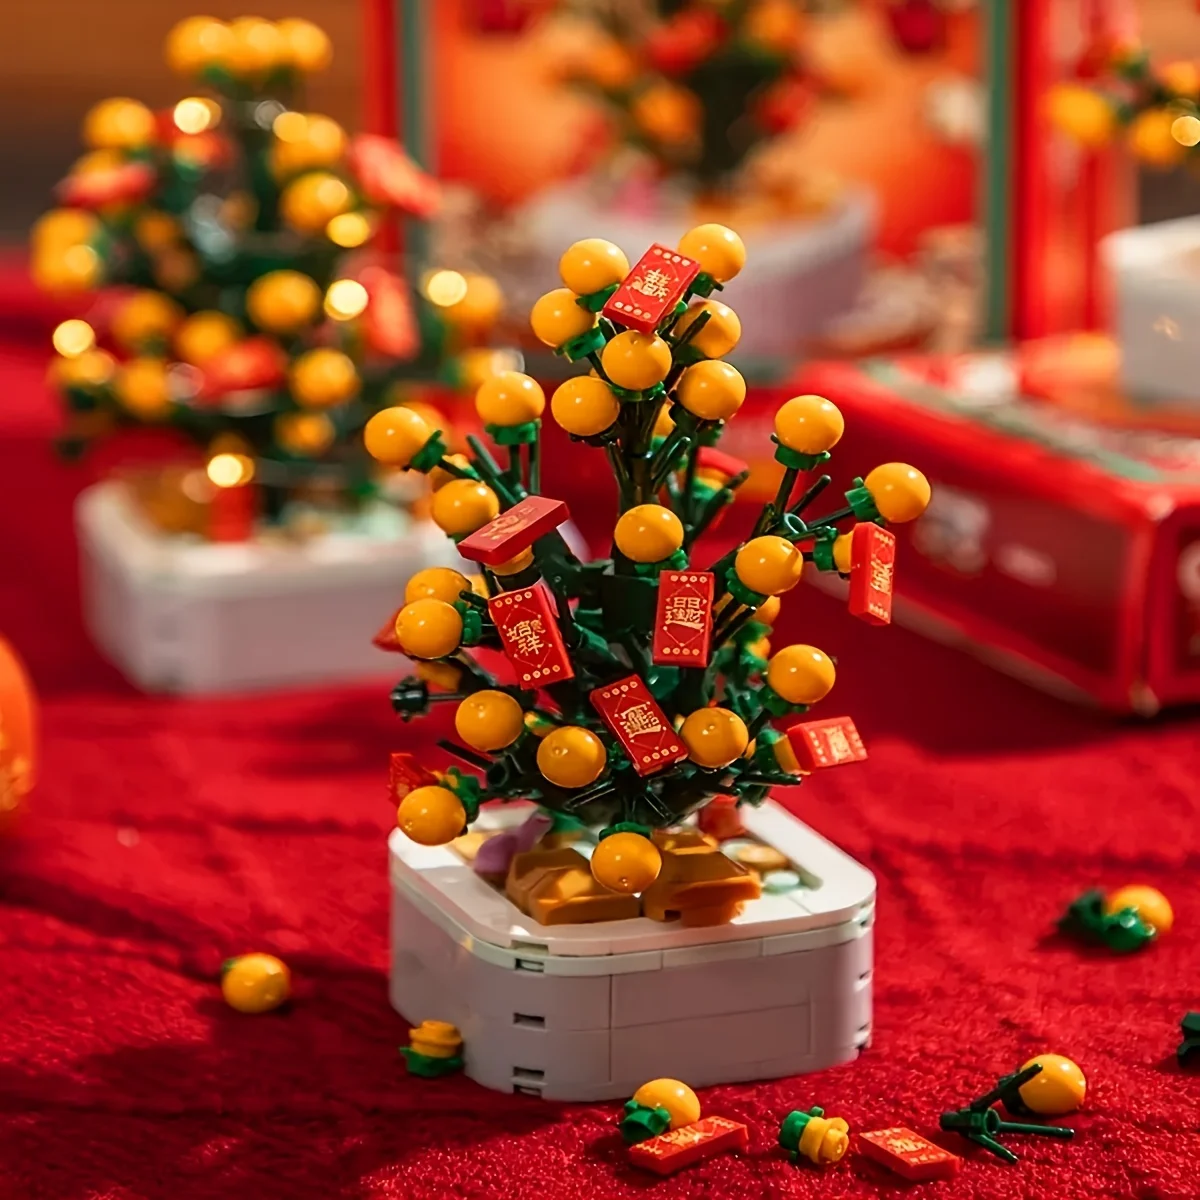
x=1156, y=269
x=591, y=1012
x=182, y=615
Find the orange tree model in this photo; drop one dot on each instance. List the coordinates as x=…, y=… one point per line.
x=642, y=685
x=231, y=230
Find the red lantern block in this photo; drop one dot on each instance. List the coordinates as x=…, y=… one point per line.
x=405, y=774
x=388, y=176
x=232, y=513
x=652, y=289
x=530, y=635
x=123, y=184
x=252, y=365
x=634, y=718
x=827, y=743
x=389, y=324
x=683, y=621
x=514, y=530
x=872, y=573
x=908, y=1154
x=679, y=1148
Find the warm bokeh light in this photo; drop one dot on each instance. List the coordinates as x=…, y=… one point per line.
x=345, y=299
x=230, y=470
x=195, y=114
x=1186, y=130
x=73, y=338
x=445, y=288
x=290, y=126
x=348, y=230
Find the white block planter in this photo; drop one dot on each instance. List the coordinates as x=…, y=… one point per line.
x=1157, y=273
x=800, y=274
x=591, y=1012
x=180, y=615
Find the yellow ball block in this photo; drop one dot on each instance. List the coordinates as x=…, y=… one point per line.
x=719, y=334
x=196, y=43
x=305, y=433
x=145, y=316
x=431, y=816
x=90, y=370
x=463, y=506
x=428, y=629
x=510, y=398
x=1059, y=1088
x=901, y=493
x=585, y=406
x=489, y=720
x=1151, y=905
x=592, y=264
x=801, y=674
x=677, y=1098
x=712, y=391
x=256, y=47
x=283, y=301
x=480, y=305
x=841, y=553
x=204, y=335
x=1151, y=138
x=63, y=227
x=769, y=565
x=648, y=533
x=571, y=756
x=255, y=983
x=636, y=361
x=785, y=756
x=118, y=124
x=667, y=113
x=436, y=583
x=394, y=435
x=1083, y=115
x=64, y=269
x=626, y=862
x=309, y=203
x=809, y=424
x=323, y=378
x=663, y=423
x=555, y=318
x=768, y=610
x=143, y=389
x=439, y=476
x=714, y=737
x=306, y=47
x=304, y=141
x=513, y=566
x=719, y=251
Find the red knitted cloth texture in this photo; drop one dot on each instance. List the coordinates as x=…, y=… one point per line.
x=166, y=835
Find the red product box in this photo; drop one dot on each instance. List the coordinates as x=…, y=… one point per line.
x=1060, y=547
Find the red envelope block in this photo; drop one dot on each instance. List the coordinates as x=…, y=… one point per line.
x=652, y=289
x=529, y=633
x=404, y=774
x=386, y=638
x=872, y=573
x=679, y=1148
x=635, y=720
x=386, y=175
x=827, y=743
x=389, y=323
x=683, y=622
x=515, y=530
x=908, y=1154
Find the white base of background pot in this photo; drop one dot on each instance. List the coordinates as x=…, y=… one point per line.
x=180, y=615
x=1157, y=273
x=800, y=274
x=591, y=1012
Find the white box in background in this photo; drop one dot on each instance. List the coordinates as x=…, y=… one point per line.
x=182, y=615
x=591, y=1012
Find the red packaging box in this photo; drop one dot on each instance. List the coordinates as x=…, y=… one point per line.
x=1062, y=549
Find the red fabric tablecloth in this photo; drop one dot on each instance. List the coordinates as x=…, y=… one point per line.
x=167, y=835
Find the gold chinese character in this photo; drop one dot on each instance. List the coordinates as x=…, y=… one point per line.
x=687, y=611
x=640, y=718
x=654, y=283
x=503, y=526
x=881, y=576
x=839, y=745
x=527, y=636
x=902, y=1145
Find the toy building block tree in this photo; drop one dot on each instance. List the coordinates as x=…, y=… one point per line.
x=231, y=237
x=642, y=685
x=696, y=85
x=1121, y=92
